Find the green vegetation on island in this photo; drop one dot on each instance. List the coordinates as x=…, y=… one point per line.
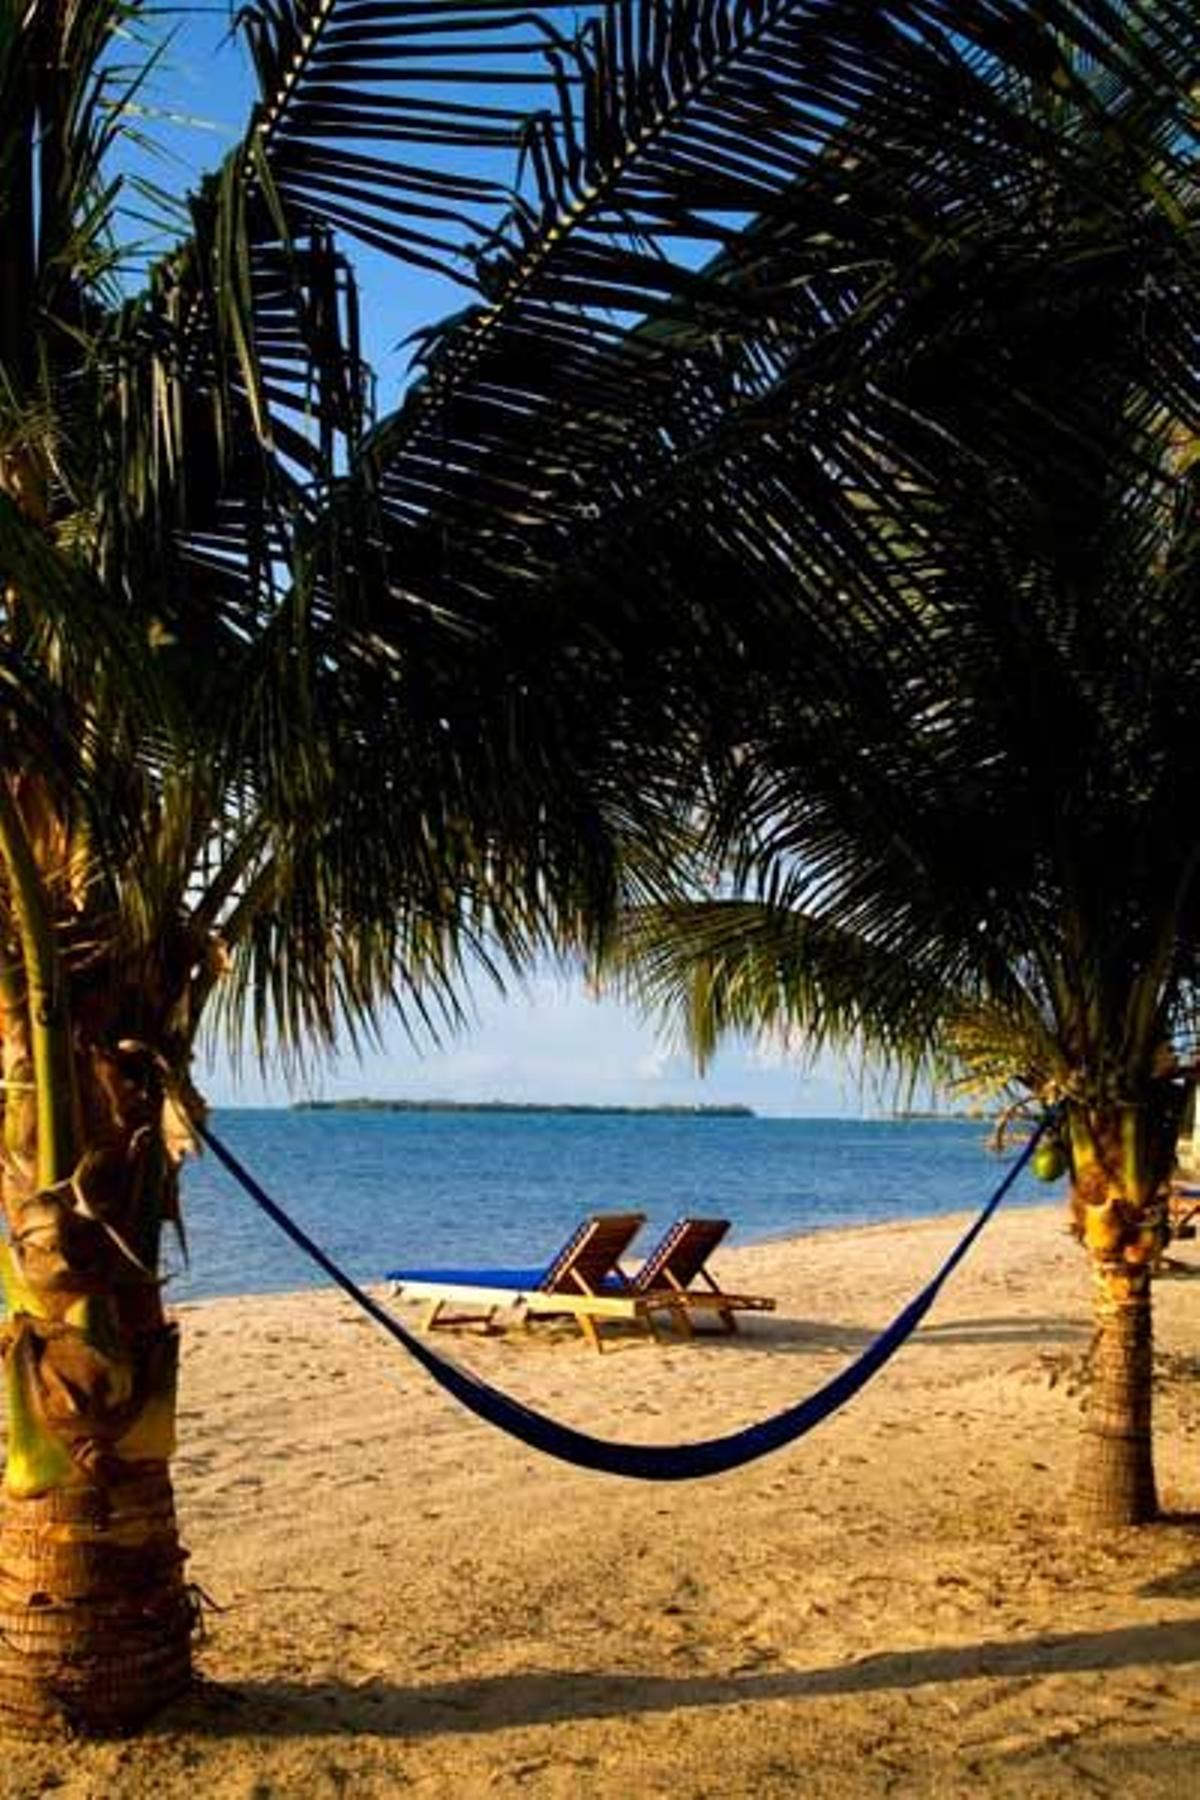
x=365, y=1104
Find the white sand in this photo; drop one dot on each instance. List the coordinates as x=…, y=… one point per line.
x=415, y=1604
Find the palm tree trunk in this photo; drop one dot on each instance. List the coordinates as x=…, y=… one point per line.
x=95, y=1617
x=1122, y=1158
x=1114, y=1479
x=95, y=1620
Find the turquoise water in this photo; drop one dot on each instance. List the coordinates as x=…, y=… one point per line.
x=381, y=1189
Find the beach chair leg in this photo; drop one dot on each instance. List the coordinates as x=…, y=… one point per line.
x=432, y=1313
x=728, y=1322
x=681, y=1320
x=590, y=1330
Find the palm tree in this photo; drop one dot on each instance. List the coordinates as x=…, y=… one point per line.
x=899, y=488
x=250, y=769
x=308, y=707
x=954, y=746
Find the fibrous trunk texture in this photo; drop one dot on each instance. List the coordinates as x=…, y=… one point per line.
x=1114, y=1483
x=95, y=1619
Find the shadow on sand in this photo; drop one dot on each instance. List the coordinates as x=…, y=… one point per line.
x=1178, y=1584
x=532, y=1698
x=795, y=1336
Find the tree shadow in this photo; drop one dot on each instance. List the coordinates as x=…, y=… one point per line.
x=778, y=1333
x=1180, y=1584
x=378, y=1708
x=1173, y=1268
x=1021, y=1330
x=1177, y=1584
x=796, y=1336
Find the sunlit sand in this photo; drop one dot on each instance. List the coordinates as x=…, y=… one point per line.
x=412, y=1602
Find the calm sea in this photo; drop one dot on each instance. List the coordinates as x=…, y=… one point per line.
x=379, y=1190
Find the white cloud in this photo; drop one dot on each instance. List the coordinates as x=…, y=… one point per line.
x=654, y=1064
x=774, y=1052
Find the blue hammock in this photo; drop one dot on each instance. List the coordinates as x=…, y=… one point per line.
x=638, y=1462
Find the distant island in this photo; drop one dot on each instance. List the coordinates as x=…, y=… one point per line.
x=522, y=1106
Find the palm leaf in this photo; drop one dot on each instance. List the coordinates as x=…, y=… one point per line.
x=541, y=408
x=439, y=619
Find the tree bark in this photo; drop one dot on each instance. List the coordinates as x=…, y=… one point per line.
x=1121, y=1159
x=96, y=1618
x=1114, y=1480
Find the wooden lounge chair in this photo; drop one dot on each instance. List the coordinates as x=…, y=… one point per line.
x=583, y=1282
x=679, y=1261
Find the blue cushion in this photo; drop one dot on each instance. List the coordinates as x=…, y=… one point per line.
x=525, y=1279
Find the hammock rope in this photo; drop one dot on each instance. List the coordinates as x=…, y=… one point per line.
x=637, y=1462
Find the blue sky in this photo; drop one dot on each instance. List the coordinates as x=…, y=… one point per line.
x=553, y=1041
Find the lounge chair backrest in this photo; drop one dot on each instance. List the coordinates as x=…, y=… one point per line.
x=681, y=1254
x=588, y=1260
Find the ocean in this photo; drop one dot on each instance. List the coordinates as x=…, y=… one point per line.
x=378, y=1190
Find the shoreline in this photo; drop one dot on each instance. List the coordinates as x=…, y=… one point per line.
x=892, y=1605
x=733, y=1247
x=381, y=1191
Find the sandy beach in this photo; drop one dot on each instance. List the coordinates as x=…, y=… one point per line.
x=404, y=1601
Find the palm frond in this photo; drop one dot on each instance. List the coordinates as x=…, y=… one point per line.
x=740, y=457
x=712, y=968
x=382, y=75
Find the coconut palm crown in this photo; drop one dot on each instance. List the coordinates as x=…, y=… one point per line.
x=955, y=746
x=814, y=440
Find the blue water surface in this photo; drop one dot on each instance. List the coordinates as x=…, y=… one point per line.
x=379, y=1190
